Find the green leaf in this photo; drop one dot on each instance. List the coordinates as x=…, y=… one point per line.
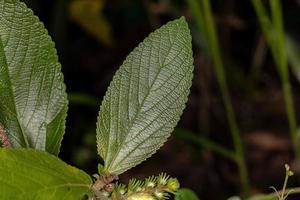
x=146, y=98
x=33, y=100
x=27, y=174
x=186, y=194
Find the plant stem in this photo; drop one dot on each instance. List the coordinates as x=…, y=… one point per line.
x=284, y=187
x=283, y=67
x=235, y=133
x=204, y=18
x=274, y=33
x=204, y=142
x=289, y=105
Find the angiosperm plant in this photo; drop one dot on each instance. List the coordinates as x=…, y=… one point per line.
x=203, y=16
x=139, y=111
x=273, y=30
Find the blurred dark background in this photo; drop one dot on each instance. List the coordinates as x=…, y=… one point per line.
x=93, y=37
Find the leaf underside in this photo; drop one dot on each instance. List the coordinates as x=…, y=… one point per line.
x=29, y=174
x=33, y=100
x=145, y=98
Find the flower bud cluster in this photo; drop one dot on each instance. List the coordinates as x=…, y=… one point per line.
x=153, y=188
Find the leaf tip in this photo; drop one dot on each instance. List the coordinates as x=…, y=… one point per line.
x=182, y=18
x=183, y=21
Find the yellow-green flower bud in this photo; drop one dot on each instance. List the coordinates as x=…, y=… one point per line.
x=122, y=191
x=173, y=184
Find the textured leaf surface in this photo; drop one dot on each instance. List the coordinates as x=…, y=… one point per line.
x=28, y=174
x=33, y=101
x=146, y=98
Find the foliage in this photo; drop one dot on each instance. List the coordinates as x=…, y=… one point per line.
x=32, y=174
x=203, y=16
x=278, y=195
x=282, y=50
x=273, y=31
x=141, y=107
x=153, y=187
x=33, y=99
x=146, y=98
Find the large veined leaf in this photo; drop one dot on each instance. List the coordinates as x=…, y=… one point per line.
x=28, y=174
x=145, y=98
x=33, y=101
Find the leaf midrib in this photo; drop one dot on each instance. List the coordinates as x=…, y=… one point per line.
x=162, y=65
x=125, y=157
x=13, y=96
